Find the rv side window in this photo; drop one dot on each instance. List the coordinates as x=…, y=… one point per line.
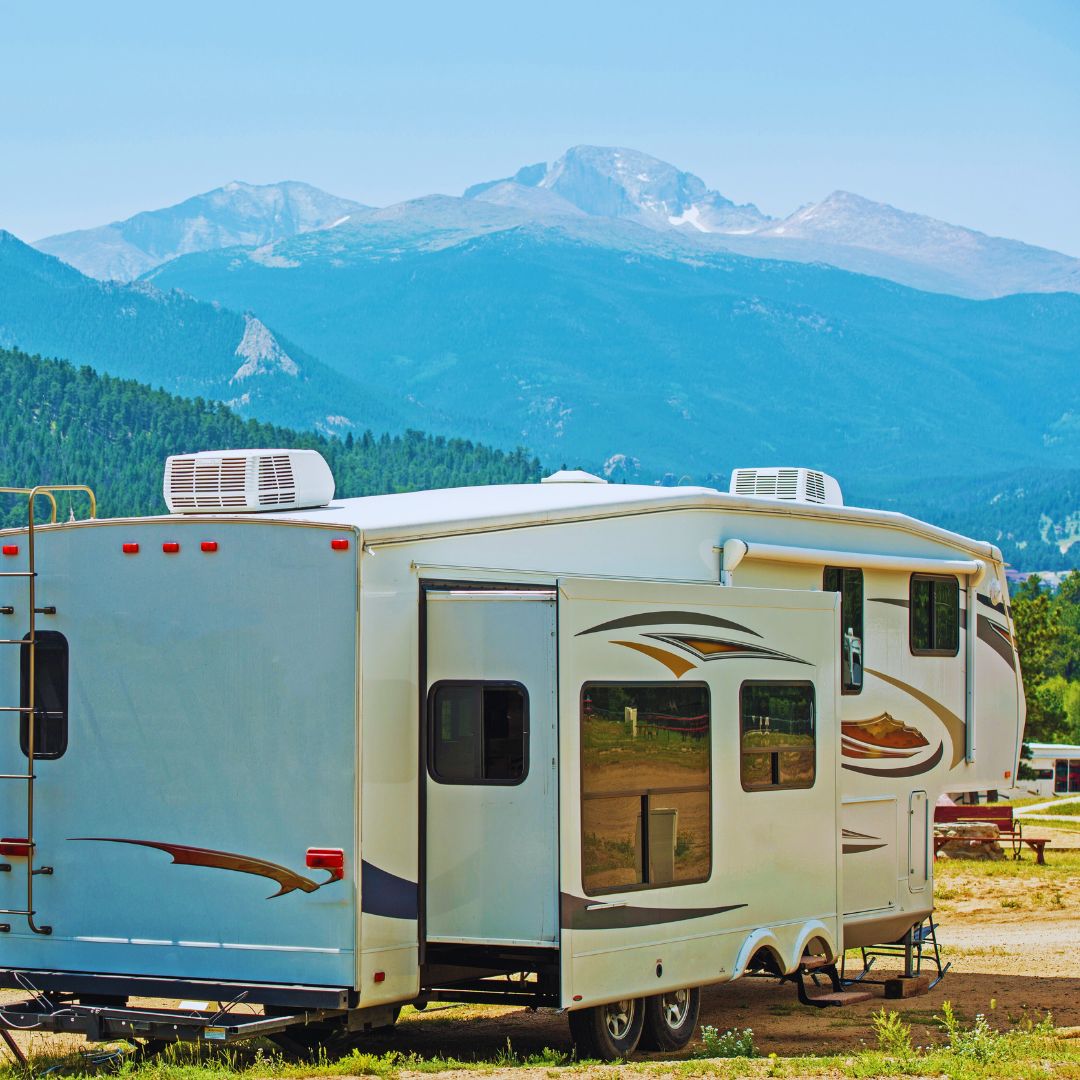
x=778, y=735
x=646, y=774
x=849, y=584
x=935, y=615
x=50, y=695
x=478, y=733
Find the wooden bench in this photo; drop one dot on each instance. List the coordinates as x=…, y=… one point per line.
x=1008, y=827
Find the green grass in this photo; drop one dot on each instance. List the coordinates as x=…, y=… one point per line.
x=972, y=1050
x=1026, y=800
x=1059, y=864
x=1034, y=822
x=1072, y=808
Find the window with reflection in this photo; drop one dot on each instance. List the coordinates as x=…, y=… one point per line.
x=935, y=615
x=848, y=583
x=646, y=772
x=778, y=735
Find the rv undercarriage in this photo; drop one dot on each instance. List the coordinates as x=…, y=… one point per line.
x=108, y=1007
x=492, y=974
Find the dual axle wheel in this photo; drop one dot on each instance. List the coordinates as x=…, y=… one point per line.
x=662, y=1022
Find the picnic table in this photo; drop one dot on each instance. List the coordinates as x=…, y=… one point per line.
x=1008, y=828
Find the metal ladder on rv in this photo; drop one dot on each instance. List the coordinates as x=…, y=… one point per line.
x=26, y=845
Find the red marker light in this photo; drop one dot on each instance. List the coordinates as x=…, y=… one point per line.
x=15, y=846
x=170, y=547
x=11, y=549
x=380, y=976
x=131, y=549
x=332, y=859
x=339, y=544
x=209, y=545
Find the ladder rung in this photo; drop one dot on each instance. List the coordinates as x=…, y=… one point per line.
x=15, y=911
x=15, y=708
x=15, y=641
x=17, y=776
x=18, y=573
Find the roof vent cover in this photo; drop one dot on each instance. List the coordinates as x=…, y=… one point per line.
x=242, y=481
x=572, y=476
x=787, y=485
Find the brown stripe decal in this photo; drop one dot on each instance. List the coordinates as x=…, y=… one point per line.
x=706, y=648
x=998, y=638
x=677, y=665
x=667, y=618
x=956, y=727
x=857, y=842
x=909, y=770
x=577, y=913
x=288, y=880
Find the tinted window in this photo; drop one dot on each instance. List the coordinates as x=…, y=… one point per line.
x=849, y=584
x=935, y=615
x=645, y=786
x=778, y=735
x=50, y=695
x=478, y=733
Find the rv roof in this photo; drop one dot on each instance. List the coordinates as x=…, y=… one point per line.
x=471, y=509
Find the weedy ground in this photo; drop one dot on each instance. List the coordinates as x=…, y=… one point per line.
x=1010, y=929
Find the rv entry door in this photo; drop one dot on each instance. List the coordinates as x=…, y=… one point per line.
x=491, y=805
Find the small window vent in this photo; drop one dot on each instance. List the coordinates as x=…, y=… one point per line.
x=245, y=480
x=787, y=485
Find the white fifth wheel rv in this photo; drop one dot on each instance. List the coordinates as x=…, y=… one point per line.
x=569, y=744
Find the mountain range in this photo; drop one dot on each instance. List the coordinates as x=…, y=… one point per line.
x=601, y=186
x=241, y=214
x=606, y=310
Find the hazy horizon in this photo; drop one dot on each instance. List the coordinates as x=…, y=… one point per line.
x=967, y=114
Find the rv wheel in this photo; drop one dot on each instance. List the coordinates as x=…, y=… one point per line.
x=670, y=1019
x=608, y=1032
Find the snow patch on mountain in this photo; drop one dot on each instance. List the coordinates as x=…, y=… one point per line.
x=261, y=353
x=615, y=182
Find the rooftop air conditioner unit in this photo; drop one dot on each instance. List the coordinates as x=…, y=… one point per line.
x=787, y=485
x=243, y=481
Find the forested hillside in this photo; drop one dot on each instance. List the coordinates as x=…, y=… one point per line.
x=1032, y=514
x=61, y=424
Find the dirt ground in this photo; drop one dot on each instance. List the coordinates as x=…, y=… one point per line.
x=1011, y=936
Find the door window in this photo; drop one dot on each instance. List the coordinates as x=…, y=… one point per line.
x=478, y=733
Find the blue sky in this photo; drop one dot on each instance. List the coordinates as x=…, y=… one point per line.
x=965, y=111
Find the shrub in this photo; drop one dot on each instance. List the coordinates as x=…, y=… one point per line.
x=979, y=1042
x=893, y=1035
x=732, y=1044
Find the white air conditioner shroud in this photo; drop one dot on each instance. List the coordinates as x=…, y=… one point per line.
x=244, y=481
x=787, y=485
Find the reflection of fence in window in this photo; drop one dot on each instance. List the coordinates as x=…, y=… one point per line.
x=645, y=785
x=777, y=735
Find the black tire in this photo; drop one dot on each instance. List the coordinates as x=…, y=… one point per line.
x=608, y=1032
x=670, y=1019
